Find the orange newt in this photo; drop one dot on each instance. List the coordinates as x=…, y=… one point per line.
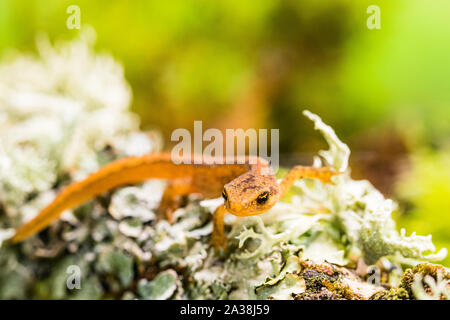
x=248, y=188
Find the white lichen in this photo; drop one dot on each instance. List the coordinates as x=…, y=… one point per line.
x=438, y=288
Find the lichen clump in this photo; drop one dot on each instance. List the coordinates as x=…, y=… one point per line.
x=64, y=113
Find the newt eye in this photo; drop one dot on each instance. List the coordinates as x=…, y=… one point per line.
x=224, y=195
x=263, y=197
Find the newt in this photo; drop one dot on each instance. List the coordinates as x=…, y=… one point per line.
x=248, y=187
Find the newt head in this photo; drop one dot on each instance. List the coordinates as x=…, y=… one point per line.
x=251, y=194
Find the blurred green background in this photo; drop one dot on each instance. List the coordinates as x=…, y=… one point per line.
x=257, y=64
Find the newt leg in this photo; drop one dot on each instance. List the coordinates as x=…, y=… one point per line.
x=218, y=238
x=172, y=197
x=323, y=174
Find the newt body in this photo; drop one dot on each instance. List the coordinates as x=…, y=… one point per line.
x=249, y=187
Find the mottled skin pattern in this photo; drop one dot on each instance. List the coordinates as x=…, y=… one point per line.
x=248, y=185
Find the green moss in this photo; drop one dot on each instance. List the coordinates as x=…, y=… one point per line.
x=323, y=294
x=424, y=269
x=391, y=294
x=324, y=281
